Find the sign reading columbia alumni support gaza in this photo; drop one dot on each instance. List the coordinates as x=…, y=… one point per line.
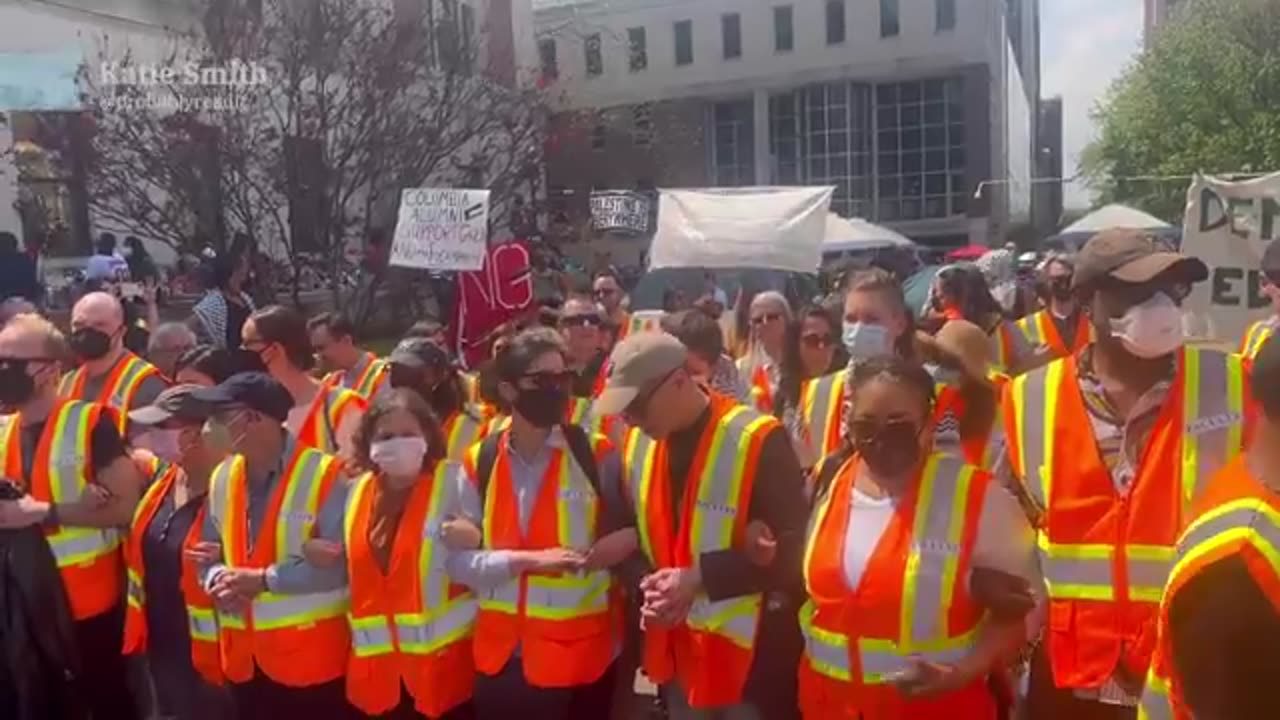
x=441, y=229
x=1228, y=225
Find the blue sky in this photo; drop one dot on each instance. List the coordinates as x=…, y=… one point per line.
x=1085, y=44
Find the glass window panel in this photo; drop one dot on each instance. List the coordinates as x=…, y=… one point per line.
x=889, y=210
x=935, y=207
x=890, y=186
x=910, y=92
x=886, y=94
x=935, y=113
x=910, y=115
x=960, y=203
x=839, y=142
x=887, y=116
x=684, y=42
x=818, y=168
x=835, y=22
x=935, y=160
x=958, y=183
x=935, y=183
x=838, y=117
x=889, y=140
x=818, y=143
x=783, y=33
x=910, y=209
x=956, y=158
x=955, y=134
x=912, y=139
x=889, y=163
x=935, y=90
x=935, y=136
x=911, y=162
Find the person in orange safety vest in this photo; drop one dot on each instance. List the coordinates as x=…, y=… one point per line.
x=770, y=314
x=1218, y=640
x=109, y=374
x=170, y=617
x=424, y=366
x=323, y=417
x=545, y=497
x=411, y=625
x=720, y=633
x=1060, y=329
x=349, y=366
x=282, y=620
x=966, y=414
x=56, y=449
x=918, y=567
x=1261, y=331
x=1112, y=446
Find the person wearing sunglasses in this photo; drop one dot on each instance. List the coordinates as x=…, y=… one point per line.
x=323, y=417
x=720, y=629
x=581, y=325
x=606, y=288
x=1061, y=328
x=809, y=353
x=422, y=365
x=770, y=313
x=918, y=567
x=546, y=497
x=54, y=449
x=1110, y=447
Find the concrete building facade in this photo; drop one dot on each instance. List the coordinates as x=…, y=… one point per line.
x=921, y=113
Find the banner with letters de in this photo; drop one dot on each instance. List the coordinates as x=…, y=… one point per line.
x=1228, y=225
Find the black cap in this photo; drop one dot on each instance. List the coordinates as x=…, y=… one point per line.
x=1271, y=262
x=419, y=353
x=254, y=390
x=176, y=403
x=1132, y=256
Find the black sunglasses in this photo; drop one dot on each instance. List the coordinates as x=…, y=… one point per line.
x=7, y=363
x=640, y=405
x=568, y=321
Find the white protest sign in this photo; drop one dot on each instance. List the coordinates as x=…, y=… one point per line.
x=1228, y=225
x=779, y=228
x=441, y=229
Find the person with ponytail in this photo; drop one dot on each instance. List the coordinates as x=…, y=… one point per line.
x=960, y=292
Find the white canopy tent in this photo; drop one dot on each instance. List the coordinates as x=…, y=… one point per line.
x=854, y=234
x=1115, y=216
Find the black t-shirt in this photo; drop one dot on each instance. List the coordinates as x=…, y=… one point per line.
x=105, y=446
x=237, y=313
x=1226, y=643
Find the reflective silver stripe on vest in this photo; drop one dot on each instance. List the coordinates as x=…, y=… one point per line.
x=67, y=479
x=826, y=652
x=202, y=624
x=1213, y=410
x=568, y=596
x=1034, y=433
x=1258, y=523
x=576, y=504
x=272, y=611
x=421, y=636
x=301, y=503
x=879, y=661
x=128, y=380
x=219, y=491
x=371, y=636
x=1030, y=327
x=933, y=559
x=825, y=401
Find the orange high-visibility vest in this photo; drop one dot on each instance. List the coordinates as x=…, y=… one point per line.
x=88, y=558
x=328, y=410
x=1040, y=329
x=461, y=431
x=978, y=450
x=580, y=414
x=1256, y=336
x=1106, y=556
x=297, y=640
x=1235, y=517
x=712, y=651
x=411, y=625
x=365, y=379
x=761, y=390
x=119, y=390
x=822, y=408
x=911, y=602
x=1004, y=346
x=200, y=621
x=566, y=624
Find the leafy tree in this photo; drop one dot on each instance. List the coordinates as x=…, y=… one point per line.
x=1204, y=97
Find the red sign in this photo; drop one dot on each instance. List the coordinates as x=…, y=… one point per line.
x=500, y=290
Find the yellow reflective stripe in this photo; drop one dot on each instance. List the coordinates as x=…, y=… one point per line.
x=826, y=652
x=1155, y=703
x=202, y=624
x=136, y=593
x=640, y=458
x=568, y=596
x=370, y=636
x=422, y=634
x=880, y=658
x=434, y=581
x=130, y=379
x=301, y=500
x=221, y=486
x=272, y=611
x=815, y=526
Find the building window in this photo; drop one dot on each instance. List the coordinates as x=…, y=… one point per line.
x=835, y=22
x=637, y=45
x=684, y=42
x=889, y=18
x=821, y=135
x=921, y=150
x=945, y=14
x=732, y=146
x=547, y=57
x=783, y=33
x=595, y=63
x=731, y=35
x=642, y=129
x=599, y=132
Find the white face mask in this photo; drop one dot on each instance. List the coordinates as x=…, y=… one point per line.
x=164, y=444
x=865, y=340
x=1152, y=329
x=399, y=458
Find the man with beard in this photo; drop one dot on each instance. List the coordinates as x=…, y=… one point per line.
x=109, y=373
x=1060, y=329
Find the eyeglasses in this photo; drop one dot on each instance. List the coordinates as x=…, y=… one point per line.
x=814, y=340
x=569, y=321
x=21, y=363
x=639, y=407
x=766, y=319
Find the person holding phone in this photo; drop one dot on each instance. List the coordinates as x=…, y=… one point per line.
x=917, y=566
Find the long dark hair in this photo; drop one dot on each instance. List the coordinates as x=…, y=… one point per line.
x=967, y=286
x=791, y=369
x=411, y=402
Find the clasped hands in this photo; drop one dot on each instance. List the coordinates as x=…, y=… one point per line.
x=233, y=589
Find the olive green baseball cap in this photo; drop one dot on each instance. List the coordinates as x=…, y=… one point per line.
x=637, y=363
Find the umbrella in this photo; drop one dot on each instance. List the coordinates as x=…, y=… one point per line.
x=971, y=252
x=1108, y=217
x=856, y=234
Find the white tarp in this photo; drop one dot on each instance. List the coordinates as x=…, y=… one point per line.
x=1228, y=224
x=857, y=234
x=441, y=229
x=777, y=228
x=1115, y=216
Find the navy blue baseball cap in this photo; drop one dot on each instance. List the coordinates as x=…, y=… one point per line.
x=256, y=391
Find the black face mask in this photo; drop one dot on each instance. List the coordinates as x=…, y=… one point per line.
x=890, y=450
x=543, y=406
x=16, y=386
x=90, y=344
x=244, y=360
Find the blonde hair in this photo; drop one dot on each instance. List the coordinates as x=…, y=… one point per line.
x=876, y=280
x=53, y=343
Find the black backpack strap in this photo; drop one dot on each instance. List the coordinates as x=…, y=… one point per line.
x=580, y=446
x=485, y=462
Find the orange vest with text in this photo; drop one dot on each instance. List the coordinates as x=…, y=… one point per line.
x=88, y=558
x=1106, y=555
x=567, y=625
x=912, y=600
x=200, y=620
x=1237, y=516
x=711, y=652
x=296, y=640
x=118, y=392
x=410, y=625
x=328, y=410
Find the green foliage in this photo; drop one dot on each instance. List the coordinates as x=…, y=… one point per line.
x=1205, y=97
